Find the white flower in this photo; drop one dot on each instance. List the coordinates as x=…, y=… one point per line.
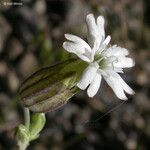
x=103, y=59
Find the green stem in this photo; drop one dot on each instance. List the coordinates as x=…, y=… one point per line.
x=27, y=117
x=23, y=146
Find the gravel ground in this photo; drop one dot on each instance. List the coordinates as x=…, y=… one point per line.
x=31, y=37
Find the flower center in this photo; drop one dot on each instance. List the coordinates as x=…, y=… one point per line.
x=101, y=60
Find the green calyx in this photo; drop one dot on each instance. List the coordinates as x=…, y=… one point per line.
x=51, y=87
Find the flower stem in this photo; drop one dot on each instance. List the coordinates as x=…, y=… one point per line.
x=24, y=145
x=27, y=117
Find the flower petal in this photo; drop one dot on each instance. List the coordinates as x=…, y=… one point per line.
x=88, y=76
x=112, y=80
x=117, y=84
x=93, y=33
x=112, y=68
x=77, y=49
x=116, y=51
x=119, y=51
x=103, y=45
x=107, y=40
x=119, y=70
x=77, y=39
x=116, y=87
x=85, y=57
x=91, y=24
x=124, y=62
x=94, y=86
x=74, y=48
x=125, y=86
x=100, y=26
x=95, y=48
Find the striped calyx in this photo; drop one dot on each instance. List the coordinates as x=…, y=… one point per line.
x=51, y=87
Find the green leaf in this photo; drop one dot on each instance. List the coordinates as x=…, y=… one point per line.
x=38, y=121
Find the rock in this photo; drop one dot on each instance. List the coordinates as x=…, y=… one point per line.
x=15, y=49
x=78, y=9
x=5, y=5
x=36, y=16
x=142, y=78
x=142, y=102
x=40, y=7
x=13, y=81
x=5, y=30
x=147, y=66
x=147, y=129
x=4, y=99
x=3, y=68
x=39, y=146
x=131, y=142
x=139, y=122
x=28, y=65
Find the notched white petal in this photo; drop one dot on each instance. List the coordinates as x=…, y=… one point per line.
x=116, y=87
x=103, y=46
x=77, y=40
x=73, y=48
x=84, y=58
x=126, y=88
x=92, y=28
x=116, y=51
x=91, y=22
x=100, y=20
x=88, y=76
x=124, y=62
x=77, y=49
x=119, y=70
x=72, y=37
x=107, y=40
x=94, y=86
x=121, y=51
x=100, y=26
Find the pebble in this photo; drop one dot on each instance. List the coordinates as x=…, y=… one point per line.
x=28, y=65
x=5, y=30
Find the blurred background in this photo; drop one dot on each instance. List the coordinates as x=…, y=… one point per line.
x=31, y=37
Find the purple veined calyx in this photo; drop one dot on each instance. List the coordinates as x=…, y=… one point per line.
x=51, y=87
